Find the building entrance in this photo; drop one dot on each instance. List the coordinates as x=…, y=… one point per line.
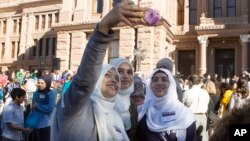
x=186, y=65
x=224, y=62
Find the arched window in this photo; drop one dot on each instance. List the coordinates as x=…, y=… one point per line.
x=231, y=8
x=217, y=8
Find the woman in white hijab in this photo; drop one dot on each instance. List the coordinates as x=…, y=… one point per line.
x=125, y=103
x=163, y=116
x=108, y=121
x=88, y=114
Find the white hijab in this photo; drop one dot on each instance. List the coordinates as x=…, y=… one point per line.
x=109, y=123
x=124, y=95
x=166, y=113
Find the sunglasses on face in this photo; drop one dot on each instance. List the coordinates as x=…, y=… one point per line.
x=138, y=95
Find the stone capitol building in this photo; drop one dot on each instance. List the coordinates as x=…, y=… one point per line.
x=198, y=35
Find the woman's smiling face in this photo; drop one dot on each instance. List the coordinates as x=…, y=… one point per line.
x=160, y=84
x=126, y=75
x=110, y=84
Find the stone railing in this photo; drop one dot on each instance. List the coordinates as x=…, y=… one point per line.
x=223, y=20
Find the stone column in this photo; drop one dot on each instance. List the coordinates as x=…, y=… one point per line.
x=244, y=42
x=186, y=15
x=16, y=48
x=204, y=8
x=44, y=47
x=147, y=37
x=53, y=19
x=63, y=49
x=66, y=11
x=248, y=12
x=1, y=49
x=23, y=36
x=244, y=8
x=50, y=46
x=79, y=14
x=169, y=11
x=29, y=38
x=174, y=13
x=39, y=23
x=46, y=22
x=7, y=55
x=1, y=28
x=77, y=47
x=17, y=26
x=203, y=54
x=160, y=43
x=127, y=43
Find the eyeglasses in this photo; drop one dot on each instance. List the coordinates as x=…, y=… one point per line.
x=138, y=95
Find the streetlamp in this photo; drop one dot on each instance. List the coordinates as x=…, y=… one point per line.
x=139, y=54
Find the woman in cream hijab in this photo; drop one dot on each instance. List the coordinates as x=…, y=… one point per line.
x=106, y=120
x=109, y=122
x=125, y=103
x=163, y=116
x=88, y=114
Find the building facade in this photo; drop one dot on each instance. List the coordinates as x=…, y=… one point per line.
x=198, y=35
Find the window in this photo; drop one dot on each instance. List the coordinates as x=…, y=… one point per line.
x=100, y=6
x=56, y=17
x=20, y=26
x=186, y=65
x=13, y=49
x=192, y=12
x=15, y=26
x=3, y=50
x=217, y=8
x=18, y=48
x=4, y=27
x=47, y=47
x=49, y=20
x=224, y=62
x=231, y=8
x=97, y=6
x=34, y=48
x=113, y=50
x=54, y=44
x=41, y=47
x=43, y=21
x=37, y=23
x=180, y=12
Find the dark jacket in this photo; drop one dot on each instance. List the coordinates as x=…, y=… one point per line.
x=145, y=134
x=132, y=132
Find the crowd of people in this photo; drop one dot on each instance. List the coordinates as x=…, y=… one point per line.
x=111, y=103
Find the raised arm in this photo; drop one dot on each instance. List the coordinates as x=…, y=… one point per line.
x=88, y=72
